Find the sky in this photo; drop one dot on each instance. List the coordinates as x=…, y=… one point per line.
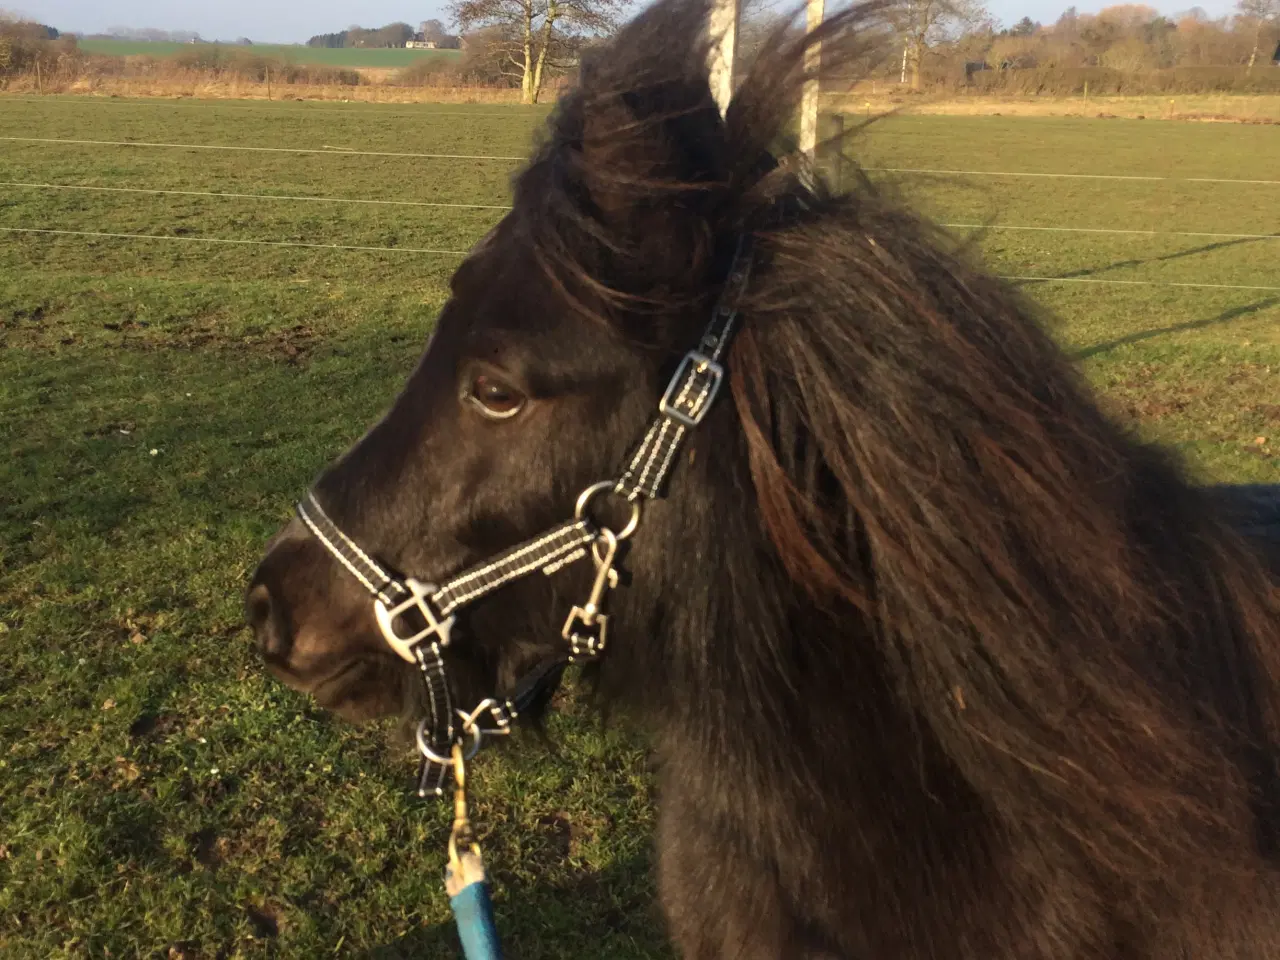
x=273, y=21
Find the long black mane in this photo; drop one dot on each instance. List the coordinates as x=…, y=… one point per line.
x=917, y=599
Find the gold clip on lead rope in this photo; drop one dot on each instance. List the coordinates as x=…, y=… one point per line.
x=465, y=866
x=464, y=878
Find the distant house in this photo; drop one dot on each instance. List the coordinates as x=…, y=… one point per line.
x=431, y=36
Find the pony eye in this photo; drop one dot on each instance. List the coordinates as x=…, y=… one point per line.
x=495, y=399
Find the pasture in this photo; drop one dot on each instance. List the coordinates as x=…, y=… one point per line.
x=353, y=57
x=188, y=335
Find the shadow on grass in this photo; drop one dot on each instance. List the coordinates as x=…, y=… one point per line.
x=1234, y=313
x=1193, y=251
x=614, y=910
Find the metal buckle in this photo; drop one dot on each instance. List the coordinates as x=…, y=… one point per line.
x=586, y=633
x=701, y=363
x=418, y=596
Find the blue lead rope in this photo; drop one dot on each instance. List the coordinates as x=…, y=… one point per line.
x=472, y=911
x=464, y=878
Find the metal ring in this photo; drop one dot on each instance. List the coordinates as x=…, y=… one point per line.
x=424, y=748
x=589, y=494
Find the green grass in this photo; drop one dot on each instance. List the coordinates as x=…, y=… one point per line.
x=163, y=403
x=334, y=57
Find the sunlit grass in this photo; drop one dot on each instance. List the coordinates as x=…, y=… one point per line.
x=162, y=403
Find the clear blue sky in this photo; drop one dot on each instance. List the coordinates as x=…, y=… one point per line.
x=275, y=21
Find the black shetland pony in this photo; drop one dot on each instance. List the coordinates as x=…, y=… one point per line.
x=937, y=661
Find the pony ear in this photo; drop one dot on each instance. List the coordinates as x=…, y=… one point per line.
x=651, y=168
x=651, y=133
x=653, y=145
x=651, y=142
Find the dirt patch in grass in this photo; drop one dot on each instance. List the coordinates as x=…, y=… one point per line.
x=293, y=345
x=1221, y=410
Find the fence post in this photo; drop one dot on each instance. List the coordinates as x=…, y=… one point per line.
x=268, y=82
x=814, y=13
x=39, y=79
x=723, y=27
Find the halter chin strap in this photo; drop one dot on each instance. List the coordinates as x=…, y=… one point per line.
x=416, y=619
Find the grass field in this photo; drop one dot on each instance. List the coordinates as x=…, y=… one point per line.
x=354, y=57
x=163, y=401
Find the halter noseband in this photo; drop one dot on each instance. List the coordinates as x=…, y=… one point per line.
x=396, y=600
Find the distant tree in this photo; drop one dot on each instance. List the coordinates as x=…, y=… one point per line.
x=924, y=23
x=531, y=37
x=483, y=60
x=1119, y=36
x=1132, y=38
x=396, y=34
x=152, y=35
x=330, y=40
x=392, y=35
x=243, y=42
x=1262, y=14
x=433, y=32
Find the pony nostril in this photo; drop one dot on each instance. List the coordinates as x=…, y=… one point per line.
x=259, y=611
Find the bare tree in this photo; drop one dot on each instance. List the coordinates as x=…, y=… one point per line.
x=923, y=23
x=535, y=36
x=433, y=31
x=1263, y=14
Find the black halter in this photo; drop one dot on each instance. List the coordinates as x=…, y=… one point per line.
x=684, y=404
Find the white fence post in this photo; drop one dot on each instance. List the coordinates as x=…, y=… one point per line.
x=724, y=50
x=815, y=10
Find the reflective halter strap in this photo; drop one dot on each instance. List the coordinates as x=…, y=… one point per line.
x=692, y=389
x=397, y=600
x=428, y=610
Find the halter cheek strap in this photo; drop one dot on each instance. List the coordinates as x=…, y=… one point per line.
x=691, y=392
x=416, y=619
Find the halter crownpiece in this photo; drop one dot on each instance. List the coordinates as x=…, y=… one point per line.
x=416, y=619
